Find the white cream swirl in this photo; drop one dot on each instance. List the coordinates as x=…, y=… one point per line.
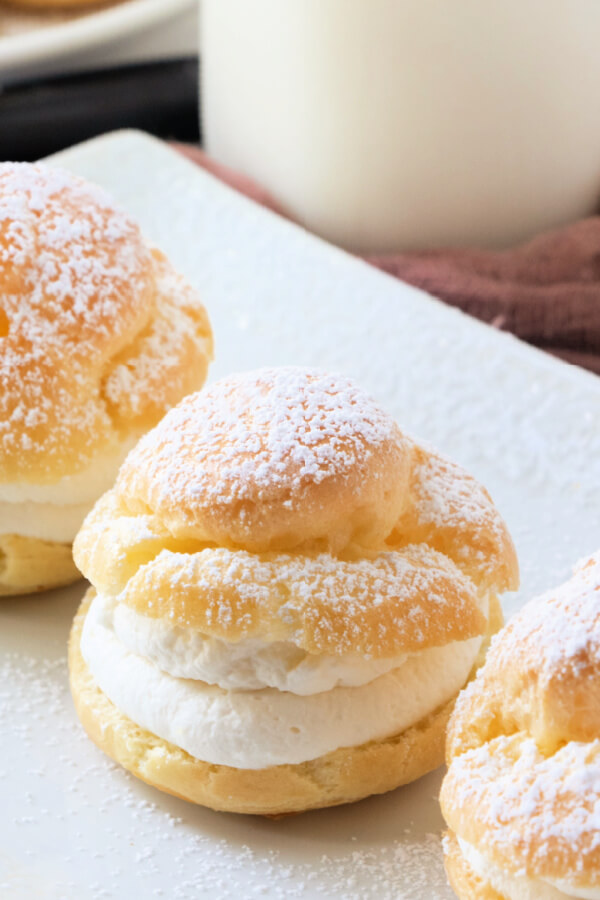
x=254, y=729
x=246, y=665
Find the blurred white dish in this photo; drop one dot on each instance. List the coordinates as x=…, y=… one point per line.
x=40, y=39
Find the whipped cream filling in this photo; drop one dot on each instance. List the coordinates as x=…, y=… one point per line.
x=55, y=512
x=254, y=729
x=520, y=887
x=246, y=665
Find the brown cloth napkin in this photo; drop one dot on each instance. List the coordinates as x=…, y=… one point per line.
x=546, y=291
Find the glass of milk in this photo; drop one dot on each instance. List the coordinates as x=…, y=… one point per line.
x=396, y=124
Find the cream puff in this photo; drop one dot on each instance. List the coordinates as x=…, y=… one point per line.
x=287, y=595
x=522, y=793
x=99, y=337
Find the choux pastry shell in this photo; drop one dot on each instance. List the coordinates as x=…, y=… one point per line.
x=287, y=595
x=522, y=793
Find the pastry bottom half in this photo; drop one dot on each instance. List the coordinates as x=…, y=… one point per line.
x=28, y=565
x=466, y=884
x=342, y=776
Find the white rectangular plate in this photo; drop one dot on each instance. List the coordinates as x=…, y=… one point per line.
x=73, y=826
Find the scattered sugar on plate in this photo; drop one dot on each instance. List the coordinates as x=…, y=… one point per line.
x=98, y=833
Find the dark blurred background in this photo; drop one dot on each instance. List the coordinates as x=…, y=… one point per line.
x=67, y=75
x=43, y=116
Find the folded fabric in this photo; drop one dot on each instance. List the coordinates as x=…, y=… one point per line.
x=546, y=291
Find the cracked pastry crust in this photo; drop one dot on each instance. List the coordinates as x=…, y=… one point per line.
x=284, y=508
x=99, y=337
x=523, y=785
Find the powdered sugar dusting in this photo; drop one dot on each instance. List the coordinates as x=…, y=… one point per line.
x=532, y=806
x=537, y=804
x=447, y=496
x=169, y=357
x=66, y=254
x=74, y=281
x=456, y=512
x=248, y=433
x=560, y=629
x=78, y=287
x=399, y=601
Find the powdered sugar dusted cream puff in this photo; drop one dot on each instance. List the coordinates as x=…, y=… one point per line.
x=99, y=337
x=522, y=794
x=288, y=593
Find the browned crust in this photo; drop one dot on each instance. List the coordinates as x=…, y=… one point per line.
x=523, y=749
x=28, y=565
x=544, y=801
x=472, y=533
x=85, y=368
x=526, y=685
x=343, y=776
x=355, y=499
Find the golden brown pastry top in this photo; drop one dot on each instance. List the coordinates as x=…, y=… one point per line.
x=542, y=674
x=273, y=460
x=524, y=742
x=284, y=504
x=98, y=335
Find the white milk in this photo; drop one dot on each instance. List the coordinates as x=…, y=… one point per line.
x=390, y=124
